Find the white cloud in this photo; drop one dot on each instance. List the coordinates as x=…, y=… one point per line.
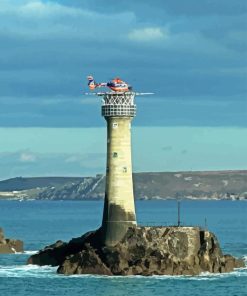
x=29, y=163
x=40, y=9
x=36, y=8
x=38, y=19
x=27, y=157
x=148, y=34
x=73, y=158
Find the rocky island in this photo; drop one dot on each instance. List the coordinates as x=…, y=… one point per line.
x=120, y=246
x=8, y=246
x=142, y=251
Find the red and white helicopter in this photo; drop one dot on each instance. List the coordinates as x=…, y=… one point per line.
x=116, y=85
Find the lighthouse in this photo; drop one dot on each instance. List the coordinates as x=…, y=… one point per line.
x=118, y=109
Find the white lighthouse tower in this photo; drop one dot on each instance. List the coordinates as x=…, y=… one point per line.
x=118, y=110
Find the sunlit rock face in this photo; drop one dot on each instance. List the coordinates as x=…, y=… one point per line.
x=142, y=251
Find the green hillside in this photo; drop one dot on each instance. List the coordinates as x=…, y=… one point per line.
x=20, y=183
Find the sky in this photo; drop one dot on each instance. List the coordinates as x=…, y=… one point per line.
x=191, y=54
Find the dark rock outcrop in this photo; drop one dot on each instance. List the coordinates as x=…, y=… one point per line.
x=142, y=251
x=8, y=246
x=55, y=254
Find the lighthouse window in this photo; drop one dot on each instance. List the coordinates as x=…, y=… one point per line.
x=114, y=154
x=124, y=169
x=115, y=125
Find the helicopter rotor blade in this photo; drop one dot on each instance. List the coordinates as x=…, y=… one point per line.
x=143, y=94
x=103, y=93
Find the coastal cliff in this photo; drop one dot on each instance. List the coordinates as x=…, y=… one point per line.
x=214, y=185
x=8, y=246
x=142, y=251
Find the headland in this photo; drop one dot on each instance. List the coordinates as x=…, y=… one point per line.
x=201, y=185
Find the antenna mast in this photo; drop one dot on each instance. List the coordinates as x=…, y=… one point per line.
x=179, y=221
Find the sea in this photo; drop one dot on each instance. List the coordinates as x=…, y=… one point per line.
x=39, y=223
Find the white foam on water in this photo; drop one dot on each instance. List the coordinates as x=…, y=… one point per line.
x=49, y=271
x=216, y=276
x=26, y=253
x=201, y=277
x=30, y=252
x=27, y=271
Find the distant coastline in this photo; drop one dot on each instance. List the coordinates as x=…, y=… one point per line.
x=202, y=185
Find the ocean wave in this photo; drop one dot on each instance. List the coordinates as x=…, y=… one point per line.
x=31, y=252
x=49, y=271
x=216, y=276
x=26, y=253
x=201, y=277
x=27, y=271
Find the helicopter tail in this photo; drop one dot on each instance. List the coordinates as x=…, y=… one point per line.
x=91, y=82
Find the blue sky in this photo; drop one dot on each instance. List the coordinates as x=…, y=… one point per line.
x=82, y=151
x=192, y=54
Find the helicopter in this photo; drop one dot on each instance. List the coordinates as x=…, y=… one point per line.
x=116, y=84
